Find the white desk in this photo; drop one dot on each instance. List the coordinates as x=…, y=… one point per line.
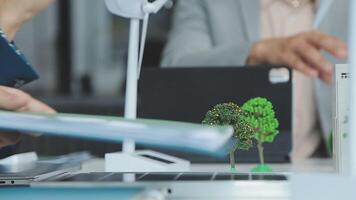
x=307, y=166
x=234, y=190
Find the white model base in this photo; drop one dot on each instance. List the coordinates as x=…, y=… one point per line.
x=144, y=161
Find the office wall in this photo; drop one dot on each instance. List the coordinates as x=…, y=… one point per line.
x=98, y=50
x=98, y=47
x=37, y=39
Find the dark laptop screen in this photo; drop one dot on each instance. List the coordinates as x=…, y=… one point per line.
x=186, y=94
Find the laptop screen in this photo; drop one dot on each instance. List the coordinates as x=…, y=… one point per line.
x=186, y=94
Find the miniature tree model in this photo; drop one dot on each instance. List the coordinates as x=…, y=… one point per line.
x=260, y=115
x=231, y=114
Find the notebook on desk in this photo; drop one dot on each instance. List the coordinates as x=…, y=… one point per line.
x=186, y=94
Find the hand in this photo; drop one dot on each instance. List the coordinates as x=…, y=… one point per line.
x=301, y=52
x=16, y=100
x=14, y=13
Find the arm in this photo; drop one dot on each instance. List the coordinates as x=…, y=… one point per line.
x=190, y=42
x=15, y=13
x=301, y=52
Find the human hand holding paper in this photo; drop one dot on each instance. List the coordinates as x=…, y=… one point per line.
x=17, y=100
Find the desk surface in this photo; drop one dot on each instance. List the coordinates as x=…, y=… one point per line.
x=305, y=166
x=182, y=190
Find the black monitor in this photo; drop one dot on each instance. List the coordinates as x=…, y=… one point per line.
x=186, y=94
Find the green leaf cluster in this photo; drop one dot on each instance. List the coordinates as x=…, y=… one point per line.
x=231, y=114
x=259, y=113
x=255, y=120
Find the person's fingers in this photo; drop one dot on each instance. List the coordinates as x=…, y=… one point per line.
x=34, y=105
x=328, y=43
x=295, y=62
x=12, y=99
x=326, y=77
x=313, y=57
x=17, y=100
x=8, y=139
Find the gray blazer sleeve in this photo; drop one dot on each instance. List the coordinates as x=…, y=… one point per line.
x=191, y=42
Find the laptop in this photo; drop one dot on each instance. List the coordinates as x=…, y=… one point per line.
x=24, y=173
x=186, y=94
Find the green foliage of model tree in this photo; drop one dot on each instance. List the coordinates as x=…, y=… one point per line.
x=259, y=113
x=231, y=114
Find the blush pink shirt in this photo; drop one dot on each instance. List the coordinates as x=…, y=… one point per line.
x=280, y=19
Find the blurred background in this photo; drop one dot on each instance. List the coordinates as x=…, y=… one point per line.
x=80, y=50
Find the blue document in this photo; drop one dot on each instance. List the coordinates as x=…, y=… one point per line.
x=175, y=135
x=15, y=71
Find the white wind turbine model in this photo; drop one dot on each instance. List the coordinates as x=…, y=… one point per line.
x=130, y=160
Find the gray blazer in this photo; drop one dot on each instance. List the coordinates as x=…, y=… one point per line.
x=221, y=33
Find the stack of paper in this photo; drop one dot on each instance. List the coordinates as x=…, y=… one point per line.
x=169, y=134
